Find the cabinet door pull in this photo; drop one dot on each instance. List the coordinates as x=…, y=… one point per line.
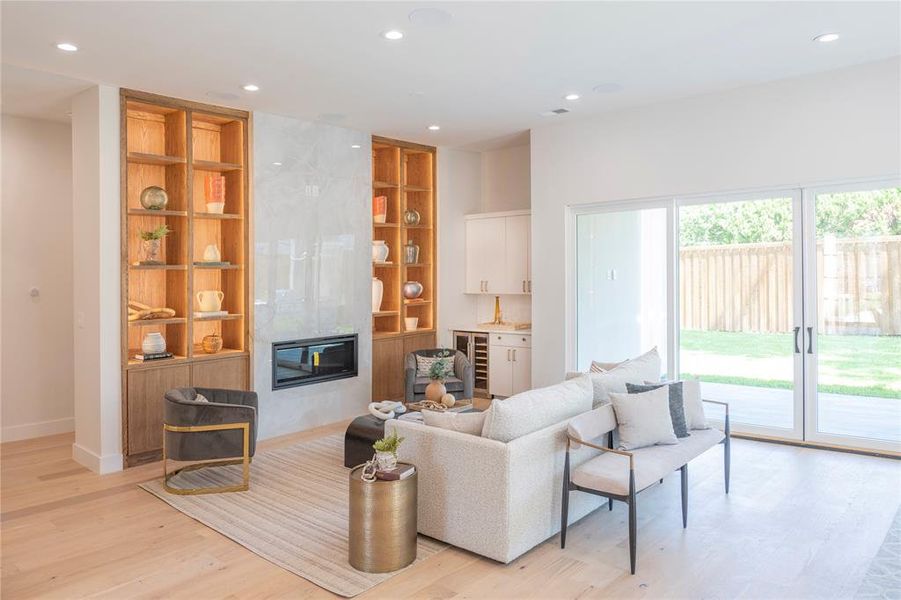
x=514, y=355
x=530, y=286
x=508, y=355
x=523, y=285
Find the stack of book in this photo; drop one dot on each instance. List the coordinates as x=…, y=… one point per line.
x=154, y=356
x=397, y=473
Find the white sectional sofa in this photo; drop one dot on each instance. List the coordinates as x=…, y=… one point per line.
x=499, y=498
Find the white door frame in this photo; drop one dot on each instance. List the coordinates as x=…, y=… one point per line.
x=811, y=321
x=797, y=430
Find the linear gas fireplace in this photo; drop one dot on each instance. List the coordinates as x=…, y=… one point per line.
x=302, y=362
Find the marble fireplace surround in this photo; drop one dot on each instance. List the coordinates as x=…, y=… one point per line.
x=312, y=253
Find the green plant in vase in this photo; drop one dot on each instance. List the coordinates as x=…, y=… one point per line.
x=151, y=242
x=439, y=371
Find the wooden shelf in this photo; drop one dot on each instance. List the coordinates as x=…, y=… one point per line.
x=385, y=264
x=386, y=313
x=155, y=322
x=158, y=267
x=379, y=185
x=217, y=267
x=379, y=225
x=140, y=364
x=416, y=302
x=418, y=265
x=145, y=158
x=197, y=353
x=418, y=226
x=219, y=167
x=208, y=215
x=416, y=188
x=231, y=317
x=143, y=212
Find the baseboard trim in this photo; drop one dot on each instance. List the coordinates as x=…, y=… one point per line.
x=15, y=433
x=817, y=445
x=102, y=465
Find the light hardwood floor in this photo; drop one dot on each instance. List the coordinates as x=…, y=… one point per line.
x=798, y=523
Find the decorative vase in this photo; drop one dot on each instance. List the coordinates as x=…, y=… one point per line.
x=378, y=288
x=412, y=290
x=153, y=343
x=411, y=253
x=210, y=300
x=448, y=400
x=211, y=253
x=154, y=198
x=379, y=209
x=435, y=391
x=212, y=343
x=151, y=251
x=379, y=251
x=385, y=460
x=412, y=217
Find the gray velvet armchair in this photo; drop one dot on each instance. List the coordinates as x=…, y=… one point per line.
x=460, y=384
x=221, y=431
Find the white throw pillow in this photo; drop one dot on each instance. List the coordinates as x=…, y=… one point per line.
x=469, y=422
x=600, y=367
x=691, y=403
x=643, y=419
x=536, y=409
x=643, y=368
x=200, y=398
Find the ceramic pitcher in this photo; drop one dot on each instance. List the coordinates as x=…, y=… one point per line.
x=210, y=300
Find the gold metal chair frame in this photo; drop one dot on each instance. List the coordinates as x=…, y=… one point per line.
x=245, y=460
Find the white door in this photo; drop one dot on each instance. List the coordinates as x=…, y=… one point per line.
x=522, y=370
x=516, y=276
x=500, y=370
x=485, y=255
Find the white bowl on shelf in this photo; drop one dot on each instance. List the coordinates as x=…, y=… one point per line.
x=411, y=323
x=217, y=208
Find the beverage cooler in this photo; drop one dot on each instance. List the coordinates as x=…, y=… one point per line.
x=475, y=347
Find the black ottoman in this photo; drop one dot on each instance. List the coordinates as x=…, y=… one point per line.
x=361, y=434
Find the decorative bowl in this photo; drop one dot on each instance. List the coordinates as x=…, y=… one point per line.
x=412, y=290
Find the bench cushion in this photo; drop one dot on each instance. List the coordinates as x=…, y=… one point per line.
x=609, y=472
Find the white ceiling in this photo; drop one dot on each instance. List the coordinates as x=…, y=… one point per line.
x=484, y=77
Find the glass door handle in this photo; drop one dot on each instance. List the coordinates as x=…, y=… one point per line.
x=797, y=347
x=810, y=340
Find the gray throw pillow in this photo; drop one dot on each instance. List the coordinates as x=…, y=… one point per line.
x=676, y=404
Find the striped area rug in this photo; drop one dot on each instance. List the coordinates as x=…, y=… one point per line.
x=294, y=515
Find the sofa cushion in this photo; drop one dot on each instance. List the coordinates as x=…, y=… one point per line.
x=609, y=472
x=643, y=419
x=536, y=409
x=676, y=407
x=637, y=370
x=468, y=422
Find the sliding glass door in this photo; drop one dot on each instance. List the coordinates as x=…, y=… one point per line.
x=785, y=304
x=739, y=311
x=854, y=316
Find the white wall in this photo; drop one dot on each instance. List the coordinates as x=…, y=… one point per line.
x=96, y=281
x=459, y=194
x=37, y=370
x=826, y=127
x=506, y=182
x=312, y=254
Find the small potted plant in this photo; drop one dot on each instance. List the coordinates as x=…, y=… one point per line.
x=386, y=451
x=440, y=370
x=151, y=241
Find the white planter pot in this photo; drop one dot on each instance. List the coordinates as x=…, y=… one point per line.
x=378, y=288
x=153, y=343
x=385, y=460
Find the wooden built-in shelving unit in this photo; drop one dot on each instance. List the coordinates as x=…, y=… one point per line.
x=175, y=144
x=406, y=174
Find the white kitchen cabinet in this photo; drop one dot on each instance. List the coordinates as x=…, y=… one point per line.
x=498, y=249
x=485, y=243
x=509, y=364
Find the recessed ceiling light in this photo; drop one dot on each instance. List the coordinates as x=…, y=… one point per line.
x=607, y=88
x=355, y=146
x=826, y=37
x=393, y=35
x=571, y=97
x=434, y=127
x=251, y=87
x=276, y=164
x=67, y=47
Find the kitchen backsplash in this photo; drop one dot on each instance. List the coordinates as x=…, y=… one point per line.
x=513, y=308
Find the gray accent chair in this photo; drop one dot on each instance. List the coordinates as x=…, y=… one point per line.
x=222, y=431
x=460, y=384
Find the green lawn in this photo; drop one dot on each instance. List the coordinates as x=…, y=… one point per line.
x=859, y=365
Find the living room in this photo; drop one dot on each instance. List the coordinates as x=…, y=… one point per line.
x=595, y=299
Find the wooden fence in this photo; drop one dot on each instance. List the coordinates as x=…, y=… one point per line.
x=748, y=287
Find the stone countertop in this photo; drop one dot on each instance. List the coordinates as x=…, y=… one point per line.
x=489, y=329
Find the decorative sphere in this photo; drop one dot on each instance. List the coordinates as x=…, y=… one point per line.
x=412, y=289
x=412, y=217
x=448, y=400
x=154, y=198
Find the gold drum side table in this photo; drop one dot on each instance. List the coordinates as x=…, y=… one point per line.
x=382, y=523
